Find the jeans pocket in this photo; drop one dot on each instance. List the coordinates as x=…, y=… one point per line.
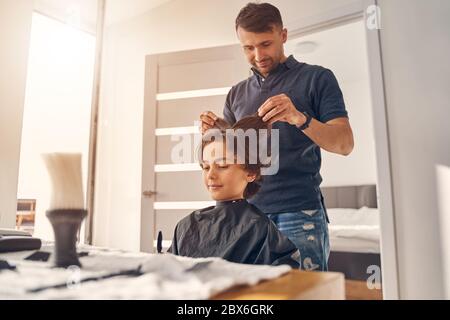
x=310, y=213
x=315, y=215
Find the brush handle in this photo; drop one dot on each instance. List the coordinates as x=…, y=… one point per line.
x=66, y=223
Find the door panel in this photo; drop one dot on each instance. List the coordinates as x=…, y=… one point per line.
x=196, y=76
x=184, y=147
x=181, y=186
x=183, y=112
x=179, y=86
x=166, y=220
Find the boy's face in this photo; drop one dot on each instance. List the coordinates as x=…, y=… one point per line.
x=264, y=51
x=224, y=179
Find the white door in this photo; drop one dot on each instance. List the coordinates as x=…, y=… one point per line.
x=178, y=87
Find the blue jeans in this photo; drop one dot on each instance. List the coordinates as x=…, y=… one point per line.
x=308, y=230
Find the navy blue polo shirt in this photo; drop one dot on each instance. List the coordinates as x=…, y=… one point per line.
x=311, y=88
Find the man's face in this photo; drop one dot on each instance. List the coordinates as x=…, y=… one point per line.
x=264, y=51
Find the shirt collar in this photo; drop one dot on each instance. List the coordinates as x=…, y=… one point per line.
x=290, y=62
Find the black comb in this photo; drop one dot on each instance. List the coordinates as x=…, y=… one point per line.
x=159, y=242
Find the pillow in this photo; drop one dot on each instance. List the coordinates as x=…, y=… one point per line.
x=351, y=217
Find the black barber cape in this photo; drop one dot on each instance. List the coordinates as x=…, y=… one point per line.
x=236, y=231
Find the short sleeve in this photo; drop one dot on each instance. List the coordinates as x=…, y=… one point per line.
x=228, y=115
x=328, y=96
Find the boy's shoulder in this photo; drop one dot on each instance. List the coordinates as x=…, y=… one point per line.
x=246, y=213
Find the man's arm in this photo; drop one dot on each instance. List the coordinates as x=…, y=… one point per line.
x=334, y=136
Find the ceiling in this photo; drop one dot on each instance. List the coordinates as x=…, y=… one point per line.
x=83, y=13
x=120, y=10
x=79, y=13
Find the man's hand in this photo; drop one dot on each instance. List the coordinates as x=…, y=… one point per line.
x=281, y=108
x=208, y=119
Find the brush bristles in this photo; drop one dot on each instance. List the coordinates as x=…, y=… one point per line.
x=65, y=175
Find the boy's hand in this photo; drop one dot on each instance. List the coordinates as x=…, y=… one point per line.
x=208, y=119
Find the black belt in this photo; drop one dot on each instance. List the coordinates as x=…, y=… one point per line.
x=324, y=208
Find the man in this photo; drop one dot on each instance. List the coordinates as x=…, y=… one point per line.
x=305, y=103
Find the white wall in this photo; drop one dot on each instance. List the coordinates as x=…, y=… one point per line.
x=15, y=26
x=415, y=39
x=177, y=25
x=359, y=167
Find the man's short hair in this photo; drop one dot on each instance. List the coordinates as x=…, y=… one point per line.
x=259, y=17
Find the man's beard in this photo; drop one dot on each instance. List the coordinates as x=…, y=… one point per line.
x=273, y=64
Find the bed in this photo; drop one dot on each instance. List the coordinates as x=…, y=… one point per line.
x=354, y=229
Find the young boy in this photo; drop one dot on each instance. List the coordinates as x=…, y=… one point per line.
x=232, y=229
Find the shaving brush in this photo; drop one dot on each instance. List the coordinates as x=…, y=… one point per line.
x=66, y=211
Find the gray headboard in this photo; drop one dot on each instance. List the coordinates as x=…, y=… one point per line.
x=350, y=196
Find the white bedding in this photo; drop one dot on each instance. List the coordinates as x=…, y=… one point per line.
x=354, y=230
